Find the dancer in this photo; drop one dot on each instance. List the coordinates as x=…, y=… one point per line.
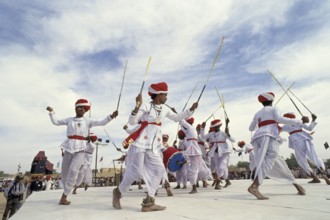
x=220, y=149
x=247, y=149
x=196, y=165
x=204, y=148
x=265, y=142
x=165, y=182
x=181, y=174
x=85, y=173
x=304, y=149
x=75, y=145
x=146, y=162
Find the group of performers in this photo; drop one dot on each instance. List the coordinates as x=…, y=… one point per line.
x=206, y=154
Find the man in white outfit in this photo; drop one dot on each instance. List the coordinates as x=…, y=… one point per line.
x=247, y=149
x=181, y=174
x=265, y=142
x=75, y=145
x=85, y=173
x=203, y=145
x=304, y=149
x=196, y=165
x=144, y=152
x=220, y=150
x=165, y=181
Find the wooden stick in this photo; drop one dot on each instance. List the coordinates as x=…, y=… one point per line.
x=284, y=94
x=122, y=84
x=284, y=90
x=145, y=75
x=210, y=73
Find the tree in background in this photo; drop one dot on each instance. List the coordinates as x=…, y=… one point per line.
x=291, y=162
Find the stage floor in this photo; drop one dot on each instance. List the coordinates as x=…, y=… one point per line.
x=229, y=203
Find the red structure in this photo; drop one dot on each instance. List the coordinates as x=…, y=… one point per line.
x=40, y=164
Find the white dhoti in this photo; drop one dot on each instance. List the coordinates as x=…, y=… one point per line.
x=181, y=175
x=267, y=161
x=197, y=168
x=146, y=165
x=71, y=164
x=85, y=176
x=304, y=149
x=221, y=163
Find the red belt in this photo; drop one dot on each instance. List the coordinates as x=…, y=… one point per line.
x=266, y=122
x=77, y=137
x=250, y=150
x=201, y=143
x=296, y=131
x=192, y=139
x=221, y=142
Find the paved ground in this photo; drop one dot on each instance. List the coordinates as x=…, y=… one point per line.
x=233, y=202
x=2, y=204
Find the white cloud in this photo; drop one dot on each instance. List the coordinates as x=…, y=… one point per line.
x=44, y=66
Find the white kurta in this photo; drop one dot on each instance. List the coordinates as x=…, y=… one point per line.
x=146, y=161
x=204, y=148
x=265, y=142
x=301, y=142
x=248, y=149
x=196, y=165
x=220, y=150
x=181, y=174
x=74, y=149
x=79, y=127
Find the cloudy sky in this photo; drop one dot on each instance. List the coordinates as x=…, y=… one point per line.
x=55, y=52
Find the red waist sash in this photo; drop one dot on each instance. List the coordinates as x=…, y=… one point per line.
x=250, y=150
x=266, y=122
x=216, y=142
x=132, y=137
x=77, y=137
x=192, y=139
x=296, y=131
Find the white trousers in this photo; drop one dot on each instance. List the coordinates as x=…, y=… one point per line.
x=181, y=175
x=197, y=168
x=304, y=149
x=268, y=162
x=144, y=164
x=84, y=176
x=221, y=164
x=71, y=164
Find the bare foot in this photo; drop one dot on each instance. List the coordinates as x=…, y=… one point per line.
x=169, y=192
x=314, y=181
x=301, y=190
x=64, y=202
x=257, y=194
x=326, y=179
x=116, y=195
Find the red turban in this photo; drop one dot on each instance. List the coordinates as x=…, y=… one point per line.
x=84, y=103
x=289, y=115
x=241, y=143
x=158, y=88
x=269, y=96
x=215, y=123
x=92, y=137
x=190, y=120
x=181, y=135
